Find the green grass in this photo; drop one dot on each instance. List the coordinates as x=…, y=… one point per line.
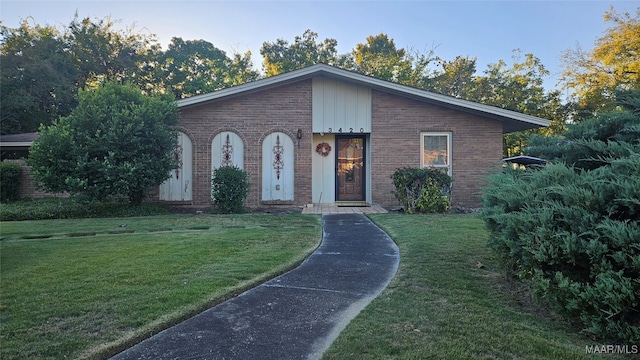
x=89, y=287
x=449, y=300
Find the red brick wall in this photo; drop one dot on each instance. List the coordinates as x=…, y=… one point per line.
x=28, y=187
x=286, y=108
x=395, y=142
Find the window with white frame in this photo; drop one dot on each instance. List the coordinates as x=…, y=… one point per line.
x=436, y=150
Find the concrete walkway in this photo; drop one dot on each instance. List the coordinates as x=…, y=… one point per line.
x=335, y=209
x=296, y=315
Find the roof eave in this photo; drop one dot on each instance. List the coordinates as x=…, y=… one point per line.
x=513, y=121
x=261, y=84
x=8, y=144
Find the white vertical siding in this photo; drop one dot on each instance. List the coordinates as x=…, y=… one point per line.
x=338, y=105
x=323, y=171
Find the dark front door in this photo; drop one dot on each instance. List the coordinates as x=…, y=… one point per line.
x=350, y=168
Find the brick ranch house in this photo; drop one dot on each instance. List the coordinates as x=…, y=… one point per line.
x=323, y=135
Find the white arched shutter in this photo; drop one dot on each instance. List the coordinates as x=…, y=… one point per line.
x=179, y=186
x=227, y=149
x=277, y=167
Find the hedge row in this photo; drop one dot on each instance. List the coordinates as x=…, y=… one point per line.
x=69, y=208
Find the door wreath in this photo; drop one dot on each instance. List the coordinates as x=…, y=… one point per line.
x=323, y=149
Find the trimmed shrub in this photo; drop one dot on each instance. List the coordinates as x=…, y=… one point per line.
x=117, y=142
x=422, y=190
x=9, y=181
x=575, y=237
x=572, y=229
x=230, y=187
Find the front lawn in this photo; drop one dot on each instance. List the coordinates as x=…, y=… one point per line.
x=449, y=300
x=88, y=287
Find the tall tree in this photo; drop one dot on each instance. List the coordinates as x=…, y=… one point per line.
x=457, y=77
x=613, y=64
x=240, y=69
x=281, y=57
x=37, y=80
x=595, y=142
x=520, y=88
x=43, y=67
x=195, y=67
x=379, y=57
x=116, y=142
x=102, y=53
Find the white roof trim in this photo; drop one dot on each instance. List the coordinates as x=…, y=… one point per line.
x=254, y=85
x=382, y=85
x=16, y=143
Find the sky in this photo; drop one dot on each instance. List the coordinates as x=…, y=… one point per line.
x=488, y=30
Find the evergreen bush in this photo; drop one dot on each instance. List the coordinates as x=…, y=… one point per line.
x=572, y=229
x=117, y=142
x=230, y=187
x=422, y=190
x=9, y=181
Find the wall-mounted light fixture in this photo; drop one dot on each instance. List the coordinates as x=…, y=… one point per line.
x=299, y=136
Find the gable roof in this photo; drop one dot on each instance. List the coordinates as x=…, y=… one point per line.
x=512, y=120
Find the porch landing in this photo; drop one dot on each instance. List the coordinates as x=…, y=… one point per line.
x=320, y=209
